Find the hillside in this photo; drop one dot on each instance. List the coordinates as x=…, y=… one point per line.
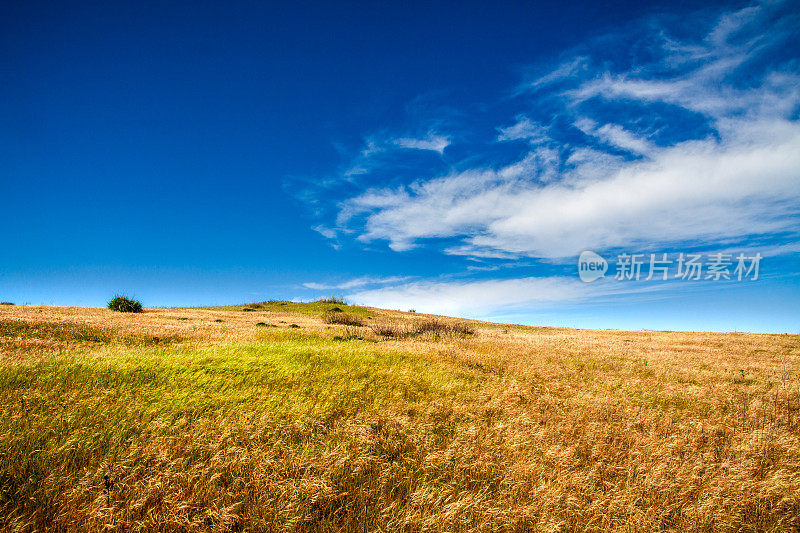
x=285, y=416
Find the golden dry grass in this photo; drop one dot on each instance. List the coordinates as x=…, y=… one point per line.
x=300, y=425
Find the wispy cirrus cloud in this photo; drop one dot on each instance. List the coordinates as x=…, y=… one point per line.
x=524, y=129
x=355, y=283
x=376, y=146
x=432, y=141
x=573, y=67
x=700, y=142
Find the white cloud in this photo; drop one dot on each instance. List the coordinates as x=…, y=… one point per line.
x=470, y=297
x=356, y=282
x=526, y=129
x=617, y=136
x=368, y=158
x=328, y=233
x=433, y=142
x=477, y=298
x=693, y=190
x=742, y=179
x=566, y=70
x=696, y=190
x=476, y=251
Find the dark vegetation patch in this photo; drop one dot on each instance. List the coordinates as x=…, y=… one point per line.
x=348, y=338
x=123, y=304
x=6, y=303
x=305, y=308
x=333, y=299
x=431, y=327
x=350, y=334
x=338, y=317
x=440, y=328
x=138, y=339
x=268, y=303
x=262, y=305
x=390, y=330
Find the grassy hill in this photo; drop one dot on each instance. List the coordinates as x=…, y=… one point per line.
x=325, y=417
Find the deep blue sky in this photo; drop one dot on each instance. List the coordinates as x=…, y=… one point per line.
x=185, y=152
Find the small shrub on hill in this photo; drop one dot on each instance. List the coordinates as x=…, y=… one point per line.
x=124, y=304
x=432, y=327
x=333, y=299
x=439, y=328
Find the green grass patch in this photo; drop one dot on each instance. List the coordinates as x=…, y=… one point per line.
x=56, y=331
x=69, y=413
x=75, y=333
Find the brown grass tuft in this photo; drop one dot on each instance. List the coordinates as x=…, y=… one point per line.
x=339, y=317
x=391, y=329
x=440, y=328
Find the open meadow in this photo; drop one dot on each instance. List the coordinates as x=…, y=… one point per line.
x=282, y=416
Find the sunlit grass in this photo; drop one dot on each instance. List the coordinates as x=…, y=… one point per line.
x=73, y=414
x=245, y=427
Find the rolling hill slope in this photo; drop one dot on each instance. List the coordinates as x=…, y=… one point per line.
x=325, y=417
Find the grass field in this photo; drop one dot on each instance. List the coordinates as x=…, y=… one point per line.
x=274, y=417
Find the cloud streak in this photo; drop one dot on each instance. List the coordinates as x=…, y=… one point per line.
x=478, y=298
x=433, y=142
x=357, y=282
x=377, y=146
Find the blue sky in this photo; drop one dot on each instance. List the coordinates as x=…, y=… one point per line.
x=447, y=157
